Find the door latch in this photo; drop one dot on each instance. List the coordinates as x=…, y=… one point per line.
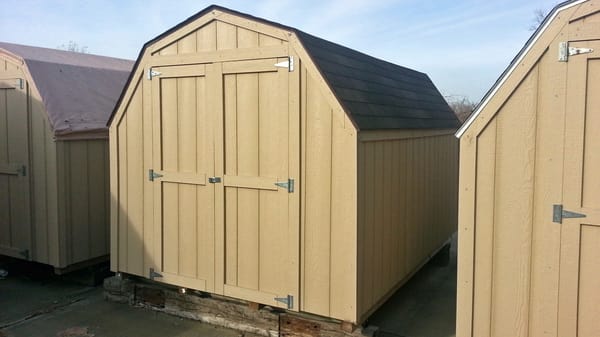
x=214, y=180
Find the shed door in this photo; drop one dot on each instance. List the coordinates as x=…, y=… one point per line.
x=261, y=150
x=183, y=160
x=15, y=218
x=579, y=289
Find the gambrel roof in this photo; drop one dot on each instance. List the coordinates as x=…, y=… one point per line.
x=374, y=93
x=78, y=90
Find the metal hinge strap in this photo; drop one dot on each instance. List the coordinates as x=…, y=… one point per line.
x=153, y=175
x=558, y=214
x=153, y=274
x=289, y=64
x=214, y=180
x=289, y=301
x=289, y=185
x=153, y=73
x=564, y=51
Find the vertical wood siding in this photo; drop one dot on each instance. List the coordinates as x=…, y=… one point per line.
x=329, y=198
x=83, y=199
x=406, y=209
x=518, y=177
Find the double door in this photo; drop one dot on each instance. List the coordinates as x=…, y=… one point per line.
x=225, y=164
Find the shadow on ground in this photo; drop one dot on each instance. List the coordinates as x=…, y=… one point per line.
x=425, y=306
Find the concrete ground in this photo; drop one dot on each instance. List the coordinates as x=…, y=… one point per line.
x=425, y=306
x=36, y=303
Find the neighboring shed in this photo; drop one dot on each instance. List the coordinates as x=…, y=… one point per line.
x=529, y=157
x=252, y=160
x=54, y=153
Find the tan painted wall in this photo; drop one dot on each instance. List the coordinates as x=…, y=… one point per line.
x=68, y=188
x=407, y=201
x=512, y=170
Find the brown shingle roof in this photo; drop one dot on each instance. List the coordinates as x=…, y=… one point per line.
x=375, y=94
x=79, y=91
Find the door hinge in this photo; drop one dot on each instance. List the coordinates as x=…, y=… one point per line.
x=564, y=51
x=154, y=274
x=289, y=301
x=153, y=175
x=22, y=170
x=152, y=73
x=289, y=64
x=558, y=214
x=20, y=83
x=289, y=185
x=214, y=180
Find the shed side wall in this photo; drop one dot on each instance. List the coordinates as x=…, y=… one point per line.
x=83, y=199
x=408, y=190
x=44, y=186
x=518, y=177
x=329, y=198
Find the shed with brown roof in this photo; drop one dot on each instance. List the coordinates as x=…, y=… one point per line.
x=252, y=160
x=54, y=106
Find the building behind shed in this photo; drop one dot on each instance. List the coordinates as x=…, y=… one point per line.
x=54, y=153
x=317, y=178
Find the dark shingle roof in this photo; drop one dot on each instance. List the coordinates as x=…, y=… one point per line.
x=375, y=94
x=79, y=91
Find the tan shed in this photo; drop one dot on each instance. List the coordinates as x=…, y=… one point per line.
x=54, y=153
x=253, y=160
x=529, y=210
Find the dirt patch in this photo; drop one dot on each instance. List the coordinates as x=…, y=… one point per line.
x=75, y=332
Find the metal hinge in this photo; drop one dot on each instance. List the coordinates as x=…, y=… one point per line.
x=564, y=51
x=154, y=274
x=22, y=170
x=214, y=180
x=20, y=83
x=289, y=64
x=558, y=214
x=289, y=301
x=152, y=73
x=153, y=175
x=289, y=185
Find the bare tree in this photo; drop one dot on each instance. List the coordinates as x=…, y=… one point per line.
x=538, y=17
x=461, y=105
x=74, y=47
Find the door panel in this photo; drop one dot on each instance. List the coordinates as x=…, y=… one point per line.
x=15, y=218
x=237, y=235
x=183, y=160
x=256, y=157
x=579, y=287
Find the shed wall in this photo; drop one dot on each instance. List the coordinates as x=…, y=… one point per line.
x=83, y=204
x=68, y=190
x=15, y=218
x=407, y=197
x=511, y=174
x=327, y=185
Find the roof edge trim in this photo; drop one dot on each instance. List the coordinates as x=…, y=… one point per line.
x=524, y=51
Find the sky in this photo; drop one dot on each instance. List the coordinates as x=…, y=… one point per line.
x=463, y=45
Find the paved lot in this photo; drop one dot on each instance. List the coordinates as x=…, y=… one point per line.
x=35, y=303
